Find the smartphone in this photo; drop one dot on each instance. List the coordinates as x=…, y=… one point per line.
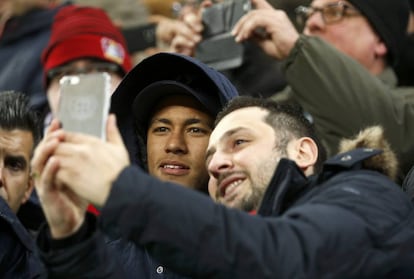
x=218, y=48
x=84, y=103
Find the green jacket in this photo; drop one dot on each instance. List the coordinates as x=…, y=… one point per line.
x=342, y=97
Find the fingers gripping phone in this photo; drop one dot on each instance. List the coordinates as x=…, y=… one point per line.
x=84, y=103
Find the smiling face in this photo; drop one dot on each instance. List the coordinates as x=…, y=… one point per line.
x=177, y=138
x=368, y=49
x=15, y=150
x=241, y=158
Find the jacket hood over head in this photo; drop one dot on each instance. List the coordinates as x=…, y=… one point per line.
x=155, y=78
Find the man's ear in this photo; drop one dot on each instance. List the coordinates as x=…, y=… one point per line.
x=380, y=49
x=29, y=189
x=304, y=152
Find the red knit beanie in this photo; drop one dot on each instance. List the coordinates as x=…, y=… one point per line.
x=84, y=32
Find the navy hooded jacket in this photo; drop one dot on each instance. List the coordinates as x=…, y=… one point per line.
x=121, y=258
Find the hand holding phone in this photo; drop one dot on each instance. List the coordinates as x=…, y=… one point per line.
x=218, y=48
x=84, y=103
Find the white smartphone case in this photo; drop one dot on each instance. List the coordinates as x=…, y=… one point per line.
x=84, y=103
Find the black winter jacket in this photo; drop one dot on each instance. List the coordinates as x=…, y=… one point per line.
x=347, y=222
x=18, y=257
x=92, y=254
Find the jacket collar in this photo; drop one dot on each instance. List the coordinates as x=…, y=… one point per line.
x=286, y=185
x=8, y=216
x=289, y=183
x=351, y=160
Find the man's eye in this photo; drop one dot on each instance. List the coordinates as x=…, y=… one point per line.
x=333, y=12
x=196, y=130
x=239, y=142
x=160, y=130
x=15, y=165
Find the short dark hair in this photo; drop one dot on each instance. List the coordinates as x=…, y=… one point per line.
x=16, y=113
x=288, y=121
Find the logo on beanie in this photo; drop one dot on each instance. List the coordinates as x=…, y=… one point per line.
x=113, y=50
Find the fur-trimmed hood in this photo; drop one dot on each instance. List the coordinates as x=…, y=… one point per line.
x=373, y=138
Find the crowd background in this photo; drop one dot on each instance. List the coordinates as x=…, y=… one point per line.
x=313, y=76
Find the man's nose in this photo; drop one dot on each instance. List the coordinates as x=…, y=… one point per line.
x=219, y=162
x=314, y=24
x=176, y=143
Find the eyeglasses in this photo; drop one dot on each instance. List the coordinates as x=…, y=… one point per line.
x=93, y=67
x=331, y=13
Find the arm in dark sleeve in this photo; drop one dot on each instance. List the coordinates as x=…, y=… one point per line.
x=192, y=235
x=82, y=255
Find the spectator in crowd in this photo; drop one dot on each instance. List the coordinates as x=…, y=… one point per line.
x=340, y=69
x=340, y=223
x=147, y=28
x=19, y=134
x=257, y=75
x=25, y=29
x=166, y=116
x=83, y=40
